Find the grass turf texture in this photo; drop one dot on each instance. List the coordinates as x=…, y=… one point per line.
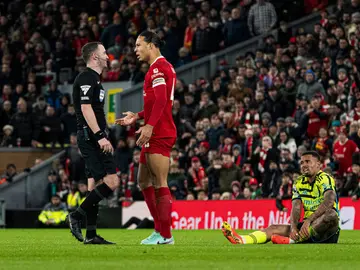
x=57, y=249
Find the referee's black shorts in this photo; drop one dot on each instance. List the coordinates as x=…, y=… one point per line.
x=98, y=164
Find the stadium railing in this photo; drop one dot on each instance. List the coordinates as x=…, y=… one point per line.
x=132, y=99
x=28, y=189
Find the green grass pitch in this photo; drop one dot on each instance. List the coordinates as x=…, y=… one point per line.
x=57, y=249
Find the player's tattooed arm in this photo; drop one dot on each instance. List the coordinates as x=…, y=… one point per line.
x=328, y=203
x=295, y=213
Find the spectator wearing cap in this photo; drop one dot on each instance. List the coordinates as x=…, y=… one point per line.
x=203, y=153
x=196, y=176
x=311, y=87
x=265, y=123
x=254, y=189
x=262, y=18
x=343, y=149
x=236, y=29
x=214, y=132
x=7, y=140
x=274, y=104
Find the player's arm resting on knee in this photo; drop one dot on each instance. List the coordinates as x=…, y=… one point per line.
x=295, y=213
x=159, y=86
x=327, y=187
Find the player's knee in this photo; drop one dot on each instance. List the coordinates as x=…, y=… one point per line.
x=144, y=184
x=331, y=216
x=112, y=181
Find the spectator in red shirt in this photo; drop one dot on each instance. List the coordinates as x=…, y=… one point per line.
x=343, y=151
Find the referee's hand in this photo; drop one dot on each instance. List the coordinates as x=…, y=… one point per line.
x=106, y=146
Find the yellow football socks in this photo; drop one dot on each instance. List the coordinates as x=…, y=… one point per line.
x=257, y=237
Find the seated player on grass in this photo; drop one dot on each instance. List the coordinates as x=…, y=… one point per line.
x=315, y=192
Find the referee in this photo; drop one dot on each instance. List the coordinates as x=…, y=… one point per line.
x=92, y=137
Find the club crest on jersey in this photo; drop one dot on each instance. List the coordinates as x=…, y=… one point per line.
x=85, y=88
x=102, y=95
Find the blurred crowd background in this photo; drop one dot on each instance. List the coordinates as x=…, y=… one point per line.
x=240, y=132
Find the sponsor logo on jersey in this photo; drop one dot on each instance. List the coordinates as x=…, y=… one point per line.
x=158, y=81
x=156, y=70
x=85, y=88
x=102, y=95
x=160, y=74
x=84, y=98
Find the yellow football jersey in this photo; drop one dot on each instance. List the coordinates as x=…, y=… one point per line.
x=312, y=194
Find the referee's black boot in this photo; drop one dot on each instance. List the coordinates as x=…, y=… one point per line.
x=75, y=227
x=97, y=240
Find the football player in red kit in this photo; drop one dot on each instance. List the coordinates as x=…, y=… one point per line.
x=157, y=136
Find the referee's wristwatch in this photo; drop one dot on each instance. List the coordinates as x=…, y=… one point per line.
x=100, y=135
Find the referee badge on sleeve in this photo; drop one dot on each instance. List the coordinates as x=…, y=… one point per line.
x=102, y=95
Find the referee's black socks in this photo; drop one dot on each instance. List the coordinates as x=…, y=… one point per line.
x=96, y=195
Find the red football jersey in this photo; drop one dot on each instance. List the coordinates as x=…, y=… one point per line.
x=343, y=153
x=159, y=86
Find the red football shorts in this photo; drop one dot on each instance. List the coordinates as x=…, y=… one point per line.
x=161, y=146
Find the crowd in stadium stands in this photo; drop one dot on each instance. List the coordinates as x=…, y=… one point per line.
x=240, y=132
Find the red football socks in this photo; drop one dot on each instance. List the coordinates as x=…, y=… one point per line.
x=150, y=199
x=163, y=206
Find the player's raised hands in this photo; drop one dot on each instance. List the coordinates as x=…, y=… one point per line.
x=129, y=119
x=145, y=134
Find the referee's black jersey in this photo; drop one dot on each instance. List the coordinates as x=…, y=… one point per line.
x=87, y=89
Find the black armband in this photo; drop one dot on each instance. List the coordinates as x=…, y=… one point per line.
x=100, y=135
